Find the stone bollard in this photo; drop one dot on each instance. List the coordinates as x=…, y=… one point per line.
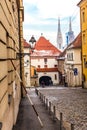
x=39, y=95
x=46, y=103
x=61, y=120
x=49, y=107
x=72, y=126
x=44, y=100
x=36, y=91
x=54, y=113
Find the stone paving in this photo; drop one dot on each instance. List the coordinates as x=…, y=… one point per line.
x=27, y=119
x=72, y=102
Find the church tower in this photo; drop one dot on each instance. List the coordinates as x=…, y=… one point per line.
x=59, y=36
x=70, y=33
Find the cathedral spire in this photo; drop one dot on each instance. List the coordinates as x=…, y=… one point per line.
x=70, y=25
x=59, y=30
x=70, y=33
x=59, y=36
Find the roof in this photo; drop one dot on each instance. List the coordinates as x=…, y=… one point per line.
x=73, y=45
x=77, y=43
x=80, y=2
x=26, y=44
x=44, y=47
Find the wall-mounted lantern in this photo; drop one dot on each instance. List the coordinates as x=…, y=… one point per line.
x=32, y=41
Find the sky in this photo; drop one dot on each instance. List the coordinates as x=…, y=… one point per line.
x=41, y=17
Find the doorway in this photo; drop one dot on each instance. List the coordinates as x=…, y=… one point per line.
x=46, y=79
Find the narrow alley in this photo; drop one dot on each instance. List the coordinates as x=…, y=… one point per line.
x=27, y=119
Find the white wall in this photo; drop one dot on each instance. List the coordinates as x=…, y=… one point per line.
x=51, y=62
x=74, y=80
x=40, y=61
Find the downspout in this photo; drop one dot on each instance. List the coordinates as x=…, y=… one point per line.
x=20, y=58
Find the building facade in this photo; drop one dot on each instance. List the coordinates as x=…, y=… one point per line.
x=61, y=66
x=27, y=63
x=11, y=38
x=44, y=59
x=73, y=63
x=29, y=70
x=83, y=17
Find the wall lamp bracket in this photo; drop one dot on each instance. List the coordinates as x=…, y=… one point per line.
x=0, y=125
x=21, y=55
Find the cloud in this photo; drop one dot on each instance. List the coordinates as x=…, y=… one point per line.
x=41, y=16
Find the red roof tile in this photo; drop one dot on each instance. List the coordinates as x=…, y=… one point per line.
x=76, y=43
x=45, y=47
x=26, y=44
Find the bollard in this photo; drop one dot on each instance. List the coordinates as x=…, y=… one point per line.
x=40, y=95
x=61, y=119
x=54, y=113
x=44, y=100
x=46, y=103
x=36, y=91
x=72, y=126
x=49, y=107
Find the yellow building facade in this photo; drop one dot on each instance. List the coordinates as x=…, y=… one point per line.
x=11, y=37
x=33, y=76
x=83, y=18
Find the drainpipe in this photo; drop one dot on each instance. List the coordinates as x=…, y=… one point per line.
x=20, y=58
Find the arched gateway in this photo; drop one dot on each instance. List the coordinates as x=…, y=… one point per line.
x=46, y=79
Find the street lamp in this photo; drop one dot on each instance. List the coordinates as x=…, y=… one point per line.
x=32, y=41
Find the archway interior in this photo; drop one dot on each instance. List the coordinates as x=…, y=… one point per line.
x=46, y=80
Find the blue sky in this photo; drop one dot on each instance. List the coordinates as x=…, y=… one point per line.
x=41, y=16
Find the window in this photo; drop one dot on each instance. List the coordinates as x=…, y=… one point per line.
x=45, y=60
x=70, y=56
x=45, y=66
x=55, y=66
x=38, y=66
x=83, y=16
x=83, y=38
x=55, y=77
x=85, y=63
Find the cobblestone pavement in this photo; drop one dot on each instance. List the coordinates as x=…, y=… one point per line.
x=72, y=102
x=27, y=119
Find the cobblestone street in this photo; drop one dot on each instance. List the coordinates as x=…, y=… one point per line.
x=72, y=102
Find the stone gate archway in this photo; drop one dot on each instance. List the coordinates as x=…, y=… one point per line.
x=46, y=79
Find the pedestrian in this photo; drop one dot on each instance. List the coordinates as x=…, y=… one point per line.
x=42, y=83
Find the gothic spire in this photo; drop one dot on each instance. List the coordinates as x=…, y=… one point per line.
x=59, y=30
x=59, y=36
x=70, y=25
x=70, y=33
